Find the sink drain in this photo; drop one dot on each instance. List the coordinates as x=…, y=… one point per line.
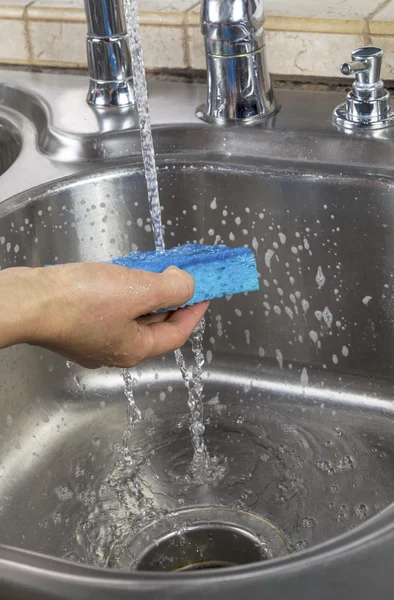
x=206, y=538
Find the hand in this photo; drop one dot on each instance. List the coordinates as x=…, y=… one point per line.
x=93, y=313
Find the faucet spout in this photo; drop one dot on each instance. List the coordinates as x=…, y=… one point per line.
x=109, y=57
x=239, y=85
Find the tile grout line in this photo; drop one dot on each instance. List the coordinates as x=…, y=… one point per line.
x=186, y=44
x=193, y=6
x=186, y=36
x=381, y=6
x=26, y=25
x=367, y=34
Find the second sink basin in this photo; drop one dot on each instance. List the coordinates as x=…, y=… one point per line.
x=10, y=144
x=298, y=377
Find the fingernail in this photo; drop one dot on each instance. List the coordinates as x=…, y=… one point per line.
x=173, y=268
x=179, y=272
x=185, y=279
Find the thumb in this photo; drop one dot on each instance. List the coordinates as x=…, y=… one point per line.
x=179, y=286
x=169, y=289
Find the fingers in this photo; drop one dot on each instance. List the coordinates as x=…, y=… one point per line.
x=154, y=291
x=161, y=337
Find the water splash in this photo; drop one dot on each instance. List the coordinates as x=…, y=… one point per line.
x=203, y=466
x=194, y=383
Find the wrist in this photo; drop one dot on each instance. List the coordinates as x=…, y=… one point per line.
x=21, y=306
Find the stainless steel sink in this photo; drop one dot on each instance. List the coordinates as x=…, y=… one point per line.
x=10, y=144
x=298, y=377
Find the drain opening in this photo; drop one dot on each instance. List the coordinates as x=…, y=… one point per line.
x=203, y=546
x=205, y=538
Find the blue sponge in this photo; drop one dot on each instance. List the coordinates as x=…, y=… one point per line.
x=217, y=270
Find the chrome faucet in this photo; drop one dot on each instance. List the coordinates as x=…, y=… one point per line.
x=239, y=86
x=109, y=58
x=367, y=105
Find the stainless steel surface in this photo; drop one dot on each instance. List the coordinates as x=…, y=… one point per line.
x=10, y=144
x=108, y=55
x=239, y=85
x=368, y=103
x=299, y=377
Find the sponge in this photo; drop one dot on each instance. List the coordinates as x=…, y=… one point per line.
x=217, y=270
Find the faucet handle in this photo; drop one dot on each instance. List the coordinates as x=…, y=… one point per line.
x=232, y=27
x=239, y=85
x=366, y=65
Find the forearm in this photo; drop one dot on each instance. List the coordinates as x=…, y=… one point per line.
x=20, y=306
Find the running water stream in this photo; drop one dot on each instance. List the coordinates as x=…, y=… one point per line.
x=141, y=94
x=133, y=413
x=192, y=377
x=194, y=384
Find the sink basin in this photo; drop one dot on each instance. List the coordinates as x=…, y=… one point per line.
x=10, y=144
x=298, y=377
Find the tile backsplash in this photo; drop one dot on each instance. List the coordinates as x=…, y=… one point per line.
x=304, y=37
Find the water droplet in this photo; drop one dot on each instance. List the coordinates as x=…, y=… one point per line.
x=323, y=465
x=308, y=523
x=361, y=512
x=304, y=379
x=301, y=545
x=64, y=493
x=345, y=464
x=268, y=257
x=327, y=317
x=320, y=279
